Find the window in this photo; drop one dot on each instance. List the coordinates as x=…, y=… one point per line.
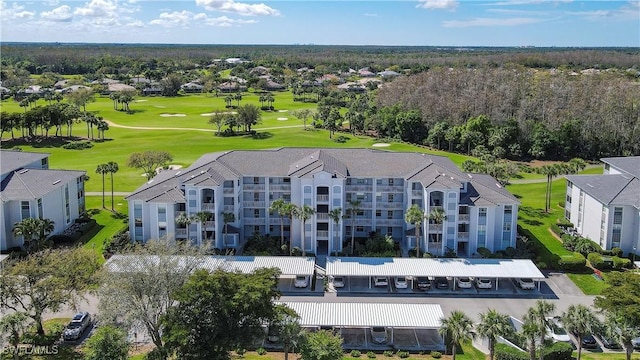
x=192, y=203
x=390, y=182
x=617, y=216
x=162, y=231
x=378, y=213
x=24, y=207
x=389, y=214
x=256, y=229
x=137, y=215
x=360, y=213
x=256, y=213
x=45, y=163
x=256, y=180
x=506, y=227
x=482, y=235
x=359, y=228
x=307, y=189
x=286, y=180
x=40, y=209
x=67, y=204
x=615, y=237
x=390, y=197
x=256, y=196
x=162, y=213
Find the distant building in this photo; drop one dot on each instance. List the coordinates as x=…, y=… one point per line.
x=479, y=211
x=29, y=189
x=606, y=208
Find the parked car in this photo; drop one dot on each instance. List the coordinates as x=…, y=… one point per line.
x=608, y=342
x=423, y=283
x=636, y=343
x=555, y=331
x=526, y=284
x=301, y=281
x=464, y=283
x=273, y=334
x=379, y=334
x=483, y=283
x=338, y=282
x=77, y=326
x=442, y=283
x=589, y=342
x=401, y=282
x=380, y=281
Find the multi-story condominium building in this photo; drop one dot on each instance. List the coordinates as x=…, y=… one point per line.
x=29, y=189
x=479, y=211
x=606, y=208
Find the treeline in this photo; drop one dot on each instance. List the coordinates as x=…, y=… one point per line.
x=90, y=58
x=516, y=113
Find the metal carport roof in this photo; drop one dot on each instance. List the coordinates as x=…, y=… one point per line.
x=455, y=267
x=288, y=265
x=421, y=316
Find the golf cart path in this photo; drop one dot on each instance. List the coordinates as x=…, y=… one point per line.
x=111, y=123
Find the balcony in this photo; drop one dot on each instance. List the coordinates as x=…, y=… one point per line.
x=359, y=187
x=323, y=198
x=228, y=191
x=322, y=235
x=390, y=188
x=322, y=216
x=463, y=217
x=209, y=224
x=433, y=207
x=390, y=222
x=228, y=208
x=417, y=193
x=389, y=205
x=463, y=236
x=255, y=187
x=255, y=221
x=280, y=187
x=253, y=204
x=181, y=233
x=435, y=228
x=208, y=207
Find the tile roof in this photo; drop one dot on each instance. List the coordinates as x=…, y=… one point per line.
x=629, y=164
x=613, y=189
x=34, y=183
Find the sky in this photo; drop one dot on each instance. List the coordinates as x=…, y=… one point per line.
x=542, y=23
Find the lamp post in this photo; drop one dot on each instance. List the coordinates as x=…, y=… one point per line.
x=634, y=256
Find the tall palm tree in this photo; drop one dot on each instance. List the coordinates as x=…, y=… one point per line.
x=289, y=210
x=415, y=216
x=278, y=206
x=539, y=313
x=336, y=215
x=112, y=168
x=457, y=328
x=492, y=325
x=102, y=169
x=304, y=213
x=581, y=321
x=202, y=217
x=352, y=211
x=438, y=216
x=530, y=331
x=227, y=217
x=619, y=327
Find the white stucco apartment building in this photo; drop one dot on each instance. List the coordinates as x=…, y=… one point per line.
x=480, y=212
x=29, y=189
x=606, y=208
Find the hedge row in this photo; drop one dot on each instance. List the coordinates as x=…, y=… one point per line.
x=573, y=262
x=557, y=351
x=607, y=263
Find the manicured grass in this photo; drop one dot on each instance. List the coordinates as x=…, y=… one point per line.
x=587, y=355
x=588, y=284
x=109, y=223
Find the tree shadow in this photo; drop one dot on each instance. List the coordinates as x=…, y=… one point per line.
x=117, y=215
x=40, y=141
x=135, y=111
x=261, y=135
x=532, y=222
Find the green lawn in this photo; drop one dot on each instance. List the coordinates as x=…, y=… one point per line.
x=587, y=283
x=109, y=223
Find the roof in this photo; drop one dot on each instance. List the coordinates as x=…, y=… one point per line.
x=612, y=189
x=3, y=257
x=483, y=190
x=358, y=314
x=13, y=160
x=35, y=183
x=458, y=267
x=288, y=265
x=164, y=188
x=629, y=164
x=119, y=87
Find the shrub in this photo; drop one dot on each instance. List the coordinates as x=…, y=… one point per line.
x=562, y=222
x=261, y=351
x=585, y=246
x=371, y=355
x=355, y=353
x=619, y=263
x=402, y=354
x=436, y=354
x=562, y=204
x=484, y=252
x=61, y=239
x=506, y=352
x=78, y=145
x=388, y=353
x=556, y=230
x=558, y=351
x=597, y=261
x=568, y=242
x=241, y=352
x=574, y=262
x=616, y=251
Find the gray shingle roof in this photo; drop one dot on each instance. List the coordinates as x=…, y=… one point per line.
x=13, y=160
x=629, y=164
x=614, y=189
x=164, y=186
x=483, y=189
x=34, y=183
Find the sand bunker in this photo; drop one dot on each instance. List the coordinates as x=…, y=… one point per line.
x=160, y=106
x=170, y=115
x=140, y=100
x=227, y=112
x=381, y=145
x=283, y=118
x=283, y=110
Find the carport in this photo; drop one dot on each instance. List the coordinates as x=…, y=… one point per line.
x=423, y=317
x=441, y=267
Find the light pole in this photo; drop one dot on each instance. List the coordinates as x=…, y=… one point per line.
x=634, y=256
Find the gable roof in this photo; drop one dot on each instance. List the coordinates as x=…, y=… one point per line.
x=483, y=189
x=13, y=160
x=628, y=164
x=31, y=184
x=612, y=189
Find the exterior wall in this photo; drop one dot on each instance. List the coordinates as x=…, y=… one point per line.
x=591, y=218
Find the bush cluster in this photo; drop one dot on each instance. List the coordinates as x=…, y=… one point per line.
x=355, y=353
x=436, y=354
x=402, y=354
x=506, y=352
x=78, y=145
x=574, y=262
x=601, y=262
x=558, y=351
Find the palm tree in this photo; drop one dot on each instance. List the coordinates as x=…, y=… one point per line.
x=227, y=100
x=288, y=328
x=437, y=216
x=102, y=169
x=581, y=321
x=112, y=168
x=289, y=210
x=619, y=327
x=415, y=215
x=304, y=213
x=227, y=217
x=336, y=215
x=45, y=227
x=492, y=325
x=352, y=211
x=539, y=314
x=184, y=221
x=238, y=97
x=457, y=328
x=530, y=331
x=277, y=206
x=33, y=231
x=202, y=217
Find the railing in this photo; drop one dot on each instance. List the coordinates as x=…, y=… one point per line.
x=209, y=224
x=435, y=228
x=463, y=236
x=208, y=207
x=390, y=222
x=390, y=188
x=322, y=216
x=361, y=222
x=279, y=187
x=359, y=187
x=463, y=217
x=323, y=198
x=253, y=187
x=254, y=221
x=321, y=234
x=389, y=205
x=253, y=204
x=228, y=190
x=433, y=207
x=418, y=193
x=229, y=208
x=181, y=232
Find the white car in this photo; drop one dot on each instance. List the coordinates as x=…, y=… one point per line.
x=301, y=281
x=379, y=334
x=338, y=282
x=483, y=283
x=401, y=282
x=526, y=284
x=464, y=283
x=380, y=281
x=555, y=330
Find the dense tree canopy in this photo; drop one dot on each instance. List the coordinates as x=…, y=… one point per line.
x=622, y=297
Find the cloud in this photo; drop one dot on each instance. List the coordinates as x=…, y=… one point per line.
x=371, y=15
x=62, y=14
x=98, y=8
x=177, y=18
x=438, y=4
x=186, y=19
x=477, y=22
x=51, y=2
x=238, y=8
x=629, y=10
x=14, y=12
x=526, y=2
